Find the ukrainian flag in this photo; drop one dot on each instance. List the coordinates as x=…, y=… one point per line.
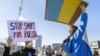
x=61, y=10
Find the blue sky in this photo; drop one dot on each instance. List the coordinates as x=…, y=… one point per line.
x=52, y=32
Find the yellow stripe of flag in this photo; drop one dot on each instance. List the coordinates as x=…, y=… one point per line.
x=68, y=9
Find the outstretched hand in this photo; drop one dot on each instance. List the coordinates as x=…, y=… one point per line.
x=70, y=25
x=82, y=6
x=9, y=41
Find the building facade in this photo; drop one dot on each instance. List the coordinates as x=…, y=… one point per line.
x=95, y=46
x=38, y=43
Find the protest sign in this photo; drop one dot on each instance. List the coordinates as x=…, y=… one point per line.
x=21, y=30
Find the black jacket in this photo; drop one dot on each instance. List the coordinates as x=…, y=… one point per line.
x=23, y=52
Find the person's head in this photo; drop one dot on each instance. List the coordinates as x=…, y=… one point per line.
x=29, y=44
x=43, y=47
x=72, y=29
x=49, y=49
x=96, y=53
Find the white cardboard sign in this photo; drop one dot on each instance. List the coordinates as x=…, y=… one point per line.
x=21, y=30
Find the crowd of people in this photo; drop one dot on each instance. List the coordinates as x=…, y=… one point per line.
x=29, y=50
x=73, y=45
x=48, y=51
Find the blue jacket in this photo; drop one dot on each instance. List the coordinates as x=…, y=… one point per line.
x=76, y=46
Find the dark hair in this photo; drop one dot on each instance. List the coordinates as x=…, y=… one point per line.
x=96, y=53
x=49, y=45
x=75, y=27
x=68, y=37
x=27, y=42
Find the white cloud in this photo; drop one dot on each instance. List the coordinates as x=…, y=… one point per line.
x=22, y=18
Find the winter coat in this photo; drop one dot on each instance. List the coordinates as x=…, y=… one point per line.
x=24, y=52
x=76, y=46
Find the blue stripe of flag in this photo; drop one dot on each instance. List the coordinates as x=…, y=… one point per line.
x=53, y=9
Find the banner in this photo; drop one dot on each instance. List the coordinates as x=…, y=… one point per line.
x=21, y=30
x=63, y=11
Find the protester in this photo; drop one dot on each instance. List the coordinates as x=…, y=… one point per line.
x=49, y=51
x=74, y=45
x=57, y=53
x=42, y=52
x=61, y=51
x=27, y=51
x=96, y=53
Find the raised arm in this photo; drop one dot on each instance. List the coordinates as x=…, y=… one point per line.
x=81, y=28
x=7, y=51
x=83, y=23
x=7, y=48
x=79, y=32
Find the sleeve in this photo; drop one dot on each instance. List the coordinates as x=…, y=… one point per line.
x=66, y=46
x=77, y=35
x=17, y=53
x=6, y=51
x=81, y=28
x=34, y=52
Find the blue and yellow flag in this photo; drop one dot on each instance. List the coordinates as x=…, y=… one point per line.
x=62, y=10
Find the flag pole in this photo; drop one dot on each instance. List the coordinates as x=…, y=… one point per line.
x=20, y=9
x=86, y=37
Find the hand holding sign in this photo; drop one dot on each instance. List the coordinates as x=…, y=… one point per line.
x=9, y=41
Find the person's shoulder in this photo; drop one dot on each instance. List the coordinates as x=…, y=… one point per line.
x=25, y=49
x=16, y=53
x=34, y=49
x=6, y=47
